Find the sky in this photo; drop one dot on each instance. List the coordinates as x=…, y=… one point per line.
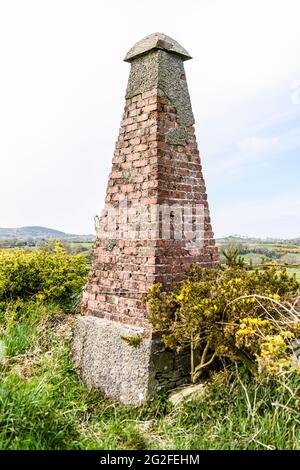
x=62, y=88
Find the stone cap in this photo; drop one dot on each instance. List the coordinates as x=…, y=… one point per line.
x=156, y=41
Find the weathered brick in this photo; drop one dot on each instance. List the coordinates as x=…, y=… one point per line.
x=150, y=107
x=135, y=141
x=149, y=94
x=142, y=117
x=133, y=113
x=140, y=148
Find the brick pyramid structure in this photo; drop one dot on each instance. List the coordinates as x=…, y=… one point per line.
x=155, y=225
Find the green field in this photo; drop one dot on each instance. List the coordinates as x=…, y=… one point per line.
x=258, y=253
x=295, y=271
x=255, y=252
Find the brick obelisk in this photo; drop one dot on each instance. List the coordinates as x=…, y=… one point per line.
x=157, y=182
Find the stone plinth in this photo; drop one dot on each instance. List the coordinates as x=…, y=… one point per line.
x=127, y=373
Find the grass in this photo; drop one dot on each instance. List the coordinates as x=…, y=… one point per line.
x=88, y=245
x=296, y=271
x=43, y=404
x=238, y=414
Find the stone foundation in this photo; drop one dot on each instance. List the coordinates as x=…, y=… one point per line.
x=126, y=373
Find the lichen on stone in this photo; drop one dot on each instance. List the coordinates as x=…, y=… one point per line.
x=177, y=136
x=133, y=340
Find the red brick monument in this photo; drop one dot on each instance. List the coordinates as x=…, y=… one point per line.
x=154, y=226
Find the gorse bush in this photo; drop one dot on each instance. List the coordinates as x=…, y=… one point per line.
x=41, y=274
x=232, y=313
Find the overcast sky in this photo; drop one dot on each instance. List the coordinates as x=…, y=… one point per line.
x=62, y=86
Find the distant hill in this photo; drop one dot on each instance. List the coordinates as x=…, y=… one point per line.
x=41, y=232
x=37, y=232
x=245, y=239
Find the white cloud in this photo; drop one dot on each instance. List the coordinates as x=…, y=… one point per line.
x=254, y=217
x=241, y=153
x=258, y=145
x=62, y=86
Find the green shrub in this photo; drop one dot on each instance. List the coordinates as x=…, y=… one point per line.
x=41, y=274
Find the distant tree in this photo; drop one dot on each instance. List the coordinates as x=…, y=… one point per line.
x=232, y=254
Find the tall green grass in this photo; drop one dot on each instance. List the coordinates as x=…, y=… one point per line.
x=43, y=404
